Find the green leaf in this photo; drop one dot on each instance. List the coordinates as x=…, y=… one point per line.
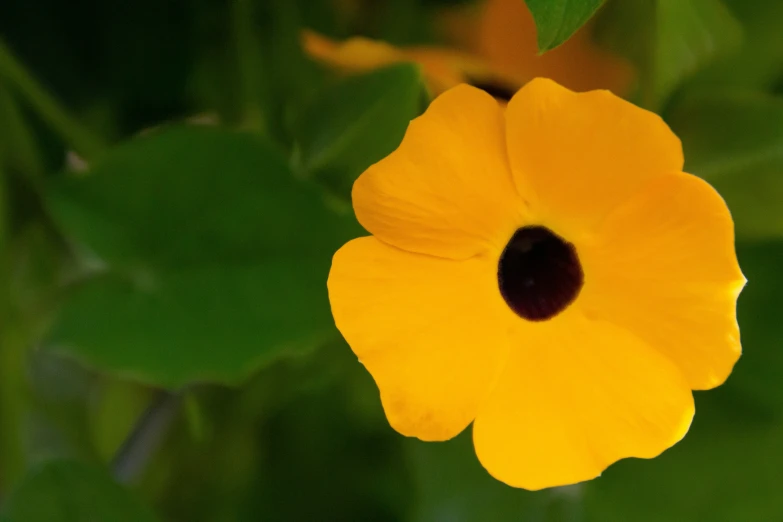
x=735, y=141
x=217, y=258
x=71, y=491
x=557, y=20
x=669, y=40
x=356, y=123
x=728, y=468
x=218, y=323
x=690, y=33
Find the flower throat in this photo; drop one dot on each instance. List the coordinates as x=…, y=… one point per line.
x=498, y=90
x=539, y=273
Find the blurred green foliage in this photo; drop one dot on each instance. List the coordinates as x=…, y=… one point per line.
x=174, y=178
x=669, y=40
x=66, y=490
x=346, y=128
x=732, y=138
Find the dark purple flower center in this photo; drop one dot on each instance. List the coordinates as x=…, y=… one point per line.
x=539, y=273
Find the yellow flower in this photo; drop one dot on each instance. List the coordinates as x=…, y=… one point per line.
x=547, y=272
x=503, y=33
x=442, y=68
x=495, y=50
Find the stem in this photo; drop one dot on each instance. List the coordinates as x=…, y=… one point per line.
x=19, y=148
x=5, y=214
x=13, y=396
x=81, y=139
x=13, y=392
x=10, y=368
x=146, y=437
x=249, y=64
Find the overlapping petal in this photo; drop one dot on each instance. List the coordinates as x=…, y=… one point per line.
x=577, y=156
x=447, y=190
x=577, y=395
x=432, y=332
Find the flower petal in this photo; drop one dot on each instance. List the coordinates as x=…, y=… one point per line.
x=575, y=157
x=443, y=68
x=447, y=190
x=576, y=396
x=354, y=54
x=432, y=332
x=664, y=267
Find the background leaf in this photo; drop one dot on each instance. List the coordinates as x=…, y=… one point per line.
x=70, y=491
x=557, y=20
x=758, y=63
x=734, y=139
x=669, y=40
x=689, y=34
x=217, y=258
x=356, y=123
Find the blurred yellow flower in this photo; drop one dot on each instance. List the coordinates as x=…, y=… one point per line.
x=443, y=68
x=494, y=49
x=503, y=33
x=545, y=271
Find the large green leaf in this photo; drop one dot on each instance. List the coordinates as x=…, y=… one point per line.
x=557, y=20
x=217, y=258
x=70, y=491
x=669, y=40
x=357, y=122
x=735, y=141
